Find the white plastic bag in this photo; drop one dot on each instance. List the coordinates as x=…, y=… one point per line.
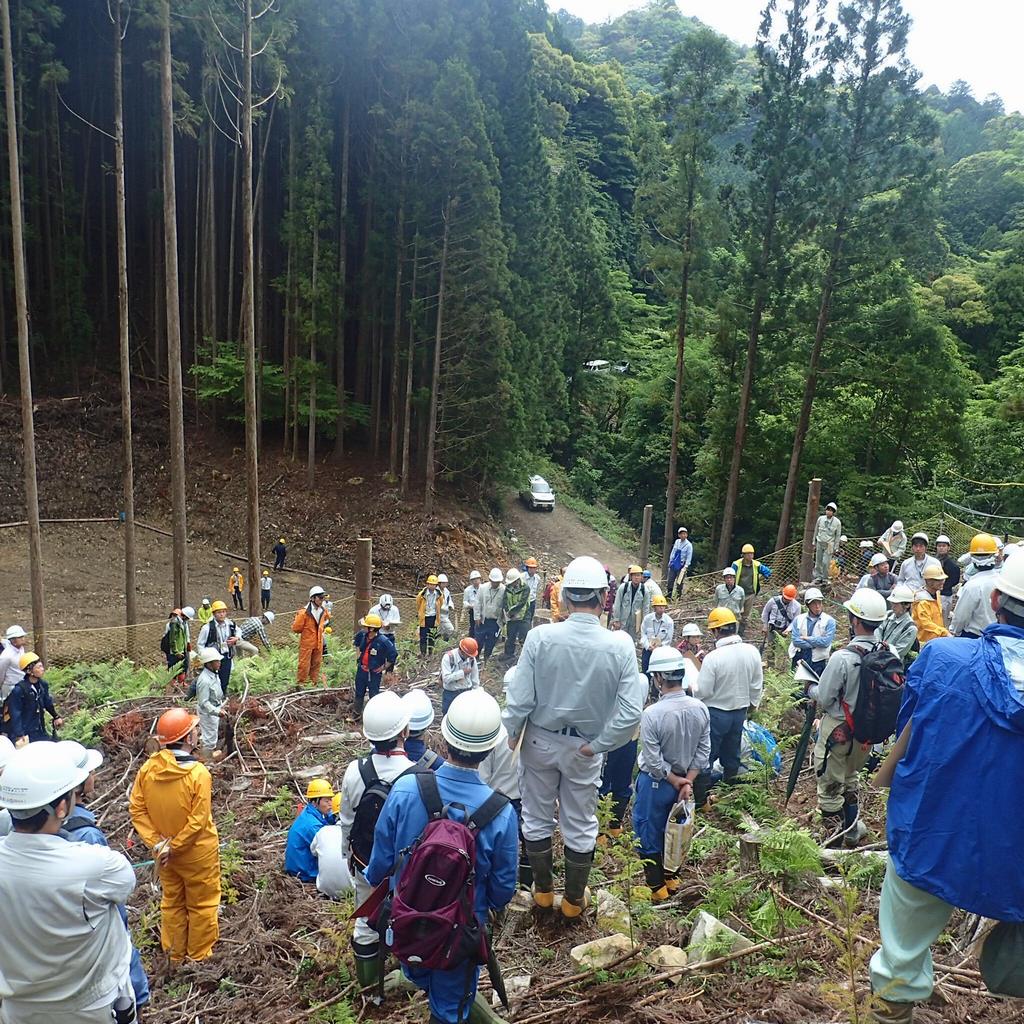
x=678, y=834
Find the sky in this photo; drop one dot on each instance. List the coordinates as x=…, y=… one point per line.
x=979, y=41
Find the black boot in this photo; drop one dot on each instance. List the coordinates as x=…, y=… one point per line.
x=855, y=828
x=357, y=707
x=538, y=852
x=577, y=874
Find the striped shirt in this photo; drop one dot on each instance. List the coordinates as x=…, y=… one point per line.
x=253, y=629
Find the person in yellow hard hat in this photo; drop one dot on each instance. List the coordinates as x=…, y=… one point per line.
x=221, y=634
x=428, y=608
x=927, y=606
x=30, y=702
x=750, y=573
x=973, y=611
x=730, y=684
x=377, y=655
x=236, y=584
x=632, y=602
x=299, y=860
x=170, y=807
x=280, y=553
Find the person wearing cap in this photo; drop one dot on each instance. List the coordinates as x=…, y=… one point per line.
x=679, y=560
x=386, y=726
x=576, y=695
x=827, y=532
x=253, y=629
x=81, y=827
x=632, y=602
x=428, y=608
x=927, y=607
x=209, y=699
x=532, y=581
x=266, y=586
x=205, y=612
x=878, y=577
x=389, y=614
x=516, y=612
x=236, y=584
x=813, y=633
x=730, y=683
x=170, y=808
x=675, y=745
x=333, y=877
x=750, y=573
x=656, y=630
x=899, y=629
x=777, y=616
x=912, y=570
x=220, y=634
x=310, y=623
x=962, y=706
x=299, y=859
x=894, y=542
x=491, y=609
x=973, y=611
x=280, y=552
x=421, y=718
x=11, y=674
x=29, y=703
x=471, y=602
x=727, y=594
x=459, y=671
x=951, y=567
x=837, y=756
x=470, y=729
x=377, y=654
x=65, y=954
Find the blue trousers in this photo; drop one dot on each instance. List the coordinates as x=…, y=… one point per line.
x=447, y=696
x=726, y=736
x=617, y=779
x=487, y=635
x=225, y=674
x=446, y=990
x=654, y=800
x=367, y=682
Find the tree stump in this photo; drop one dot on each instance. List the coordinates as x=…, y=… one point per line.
x=750, y=851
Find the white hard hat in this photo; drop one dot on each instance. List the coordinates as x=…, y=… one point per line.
x=866, y=604
x=920, y=535
x=1010, y=580
x=420, y=708
x=866, y=544
x=878, y=558
x=691, y=629
x=441, y=578
x=495, y=575
x=37, y=775
x=843, y=539
x=208, y=654
x=902, y=594
x=942, y=539
x=13, y=632
x=473, y=721
x=316, y=592
x=206, y=601
x=387, y=600
x=728, y=571
x=584, y=574
x=269, y=616
x=666, y=659
x=813, y=594
x=384, y=716
x=832, y=505
x=513, y=576
x=510, y=675
x=474, y=575
x=897, y=526
x=84, y=757
x=7, y=748
x=188, y=611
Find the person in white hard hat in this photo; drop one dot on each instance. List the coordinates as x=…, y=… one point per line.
x=516, y=612
x=252, y=629
x=15, y=640
x=385, y=725
x=689, y=644
x=491, y=612
x=912, y=570
x=209, y=699
x=878, y=577
x=577, y=695
x=866, y=548
x=813, y=633
x=310, y=623
x=333, y=876
x=894, y=542
x=470, y=729
x=838, y=758
x=421, y=718
x=898, y=628
x=69, y=959
x=471, y=602
x=827, y=531
x=951, y=567
x=727, y=594
x=446, y=612
x=389, y=614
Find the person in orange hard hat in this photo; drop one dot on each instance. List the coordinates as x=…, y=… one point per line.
x=310, y=623
x=777, y=617
x=531, y=578
x=170, y=807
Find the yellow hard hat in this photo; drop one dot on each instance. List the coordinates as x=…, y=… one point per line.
x=633, y=569
x=28, y=658
x=371, y=621
x=432, y=578
x=236, y=569
x=218, y=606
x=281, y=540
x=318, y=789
x=721, y=617
x=336, y=804
x=983, y=544
x=266, y=572
x=934, y=572
x=747, y=549
x=658, y=601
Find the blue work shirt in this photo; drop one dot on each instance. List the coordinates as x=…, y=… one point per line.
x=954, y=819
x=404, y=817
x=382, y=651
x=298, y=858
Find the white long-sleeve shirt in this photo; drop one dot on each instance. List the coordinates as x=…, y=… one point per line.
x=973, y=611
x=388, y=768
x=10, y=671
x=459, y=672
x=209, y=693
x=391, y=618
x=732, y=599
x=499, y=769
x=828, y=531
x=332, y=874
x=675, y=734
x=912, y=571
x=653, y=628
x=471, y=600
x=491, y=602
x=64, y=947
x=731, y=676
x=577, y=674
x=532, y=583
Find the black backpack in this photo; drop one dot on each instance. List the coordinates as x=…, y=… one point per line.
x=165, y=641
x=882, y=681
x=371, y=803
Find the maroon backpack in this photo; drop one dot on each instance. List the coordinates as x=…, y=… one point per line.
x=429, y=920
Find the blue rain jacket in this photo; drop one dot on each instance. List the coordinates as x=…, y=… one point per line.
x=298, y=858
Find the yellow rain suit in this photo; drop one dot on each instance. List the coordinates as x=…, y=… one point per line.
x=927, y=615
x=170, y=800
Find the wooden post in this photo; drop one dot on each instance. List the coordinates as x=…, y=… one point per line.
x=364, y=579
x=807, y=555
x=645, y=535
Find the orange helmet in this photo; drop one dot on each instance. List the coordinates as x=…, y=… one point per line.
x=530, y=563
x=789, y=592
x=469, y=647
x=174, y=724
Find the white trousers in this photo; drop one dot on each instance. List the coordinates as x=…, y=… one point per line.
x=361, y=931
x=555, y=778
x=209, y=728
x=246, y=649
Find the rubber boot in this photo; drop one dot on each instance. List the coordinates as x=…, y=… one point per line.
x=654, y=875
x=577, y=874
x=367, y=963
x=673, y=883
x=855, y=828
x=884, y=1012
x=525, y=870
x=481, y=1012
x=538, y=852
x=357, y=707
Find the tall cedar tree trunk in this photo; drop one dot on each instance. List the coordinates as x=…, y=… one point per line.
x=428, y=496
x=127, y=460
x=35, y=545
x=677, y=397
x=311, y=439
x=410, y=362
x=176, y=440
x=396, y=334
x=248, y=320
x=230, y=336
x=339, y=337
x=290, y=345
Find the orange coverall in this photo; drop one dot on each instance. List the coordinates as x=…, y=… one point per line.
x=170, y=799
x=311, y=642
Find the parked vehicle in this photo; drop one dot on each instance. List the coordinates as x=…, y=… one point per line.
x=538, y=495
